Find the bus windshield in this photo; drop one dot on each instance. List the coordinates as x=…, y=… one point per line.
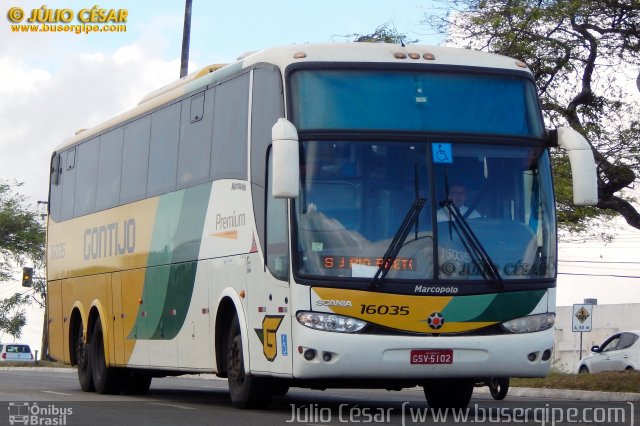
x=422, y=101
x=355, y=195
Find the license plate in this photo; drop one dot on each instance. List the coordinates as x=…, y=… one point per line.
x=431, y=356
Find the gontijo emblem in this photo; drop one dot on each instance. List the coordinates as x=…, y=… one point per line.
x=267, y=335
x=435, y=320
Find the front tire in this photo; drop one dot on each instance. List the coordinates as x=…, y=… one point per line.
x=448, y=393
x=499, y=386
x=246, y=390
x=107, y=380
x=583, y=370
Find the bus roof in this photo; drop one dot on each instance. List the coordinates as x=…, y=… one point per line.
x=380, y=52
x=284, y=56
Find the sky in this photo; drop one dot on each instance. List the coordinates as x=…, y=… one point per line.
x=52, y=84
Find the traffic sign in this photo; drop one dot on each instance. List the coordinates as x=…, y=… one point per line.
x=582, y=317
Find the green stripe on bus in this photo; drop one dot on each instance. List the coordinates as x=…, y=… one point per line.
x=493, y=307
x=172, y=263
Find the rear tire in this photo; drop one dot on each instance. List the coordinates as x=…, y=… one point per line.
x=83, y=361
x=107, y=380
x=246, y=390
x=448, y=393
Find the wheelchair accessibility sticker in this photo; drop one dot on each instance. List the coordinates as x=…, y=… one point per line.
x=442, y=153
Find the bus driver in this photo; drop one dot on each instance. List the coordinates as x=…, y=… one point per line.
x=458, y=196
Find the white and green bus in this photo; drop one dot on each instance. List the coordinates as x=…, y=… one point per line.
x=337, y=215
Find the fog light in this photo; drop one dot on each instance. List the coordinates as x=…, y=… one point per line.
x=326, y=356
x=532, y=356
x=309, y=354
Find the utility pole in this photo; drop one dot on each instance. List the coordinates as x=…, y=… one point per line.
x=44, y=346
x=186, y=35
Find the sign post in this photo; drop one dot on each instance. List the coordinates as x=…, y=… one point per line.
x=582, y=320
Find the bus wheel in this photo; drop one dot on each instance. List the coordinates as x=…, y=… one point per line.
x=83, y=361
x=448, y=393
x=107, y=380
x=246, y=391
x=136, y=383
x=499, y=386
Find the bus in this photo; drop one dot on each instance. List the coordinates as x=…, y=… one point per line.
x=334, y=215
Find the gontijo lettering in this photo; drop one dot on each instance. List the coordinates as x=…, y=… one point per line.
x=113, y=239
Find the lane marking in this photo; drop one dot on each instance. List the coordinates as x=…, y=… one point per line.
x=58, y=393
x=182, y=407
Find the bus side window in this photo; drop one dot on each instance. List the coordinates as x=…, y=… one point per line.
x=231, y=112
x=55, y=191
x=68, y=184
x=163, y=150
x=194, y=151
x=109, y=169
x=135, y=160
x=276, y=233
x=87, y=177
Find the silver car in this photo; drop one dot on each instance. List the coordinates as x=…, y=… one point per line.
x=15, y=352
x=619, y=352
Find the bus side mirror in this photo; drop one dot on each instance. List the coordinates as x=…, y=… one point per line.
x=286, y=160
x=583, y=166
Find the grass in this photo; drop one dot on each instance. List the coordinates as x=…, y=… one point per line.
x=611, y=381
x=40, y=363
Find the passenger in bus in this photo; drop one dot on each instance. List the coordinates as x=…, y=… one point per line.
x=458, y=196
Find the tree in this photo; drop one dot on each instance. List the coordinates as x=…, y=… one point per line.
x=22, y=240
x=12, y=315
x=385, y=33
x=576, y=51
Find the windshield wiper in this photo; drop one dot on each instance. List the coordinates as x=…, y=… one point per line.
x=397, y=242
x=470, y=241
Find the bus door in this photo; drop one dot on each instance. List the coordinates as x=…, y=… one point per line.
x=269, y=320
x=269, y=293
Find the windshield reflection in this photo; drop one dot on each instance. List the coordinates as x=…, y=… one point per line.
x=355, y=195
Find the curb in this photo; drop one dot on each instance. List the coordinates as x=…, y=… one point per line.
x=568, y=394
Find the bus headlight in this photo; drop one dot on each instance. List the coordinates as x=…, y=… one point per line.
x=530, y=323
x=330, y=322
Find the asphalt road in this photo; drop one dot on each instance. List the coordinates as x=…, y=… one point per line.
x=49, y=397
